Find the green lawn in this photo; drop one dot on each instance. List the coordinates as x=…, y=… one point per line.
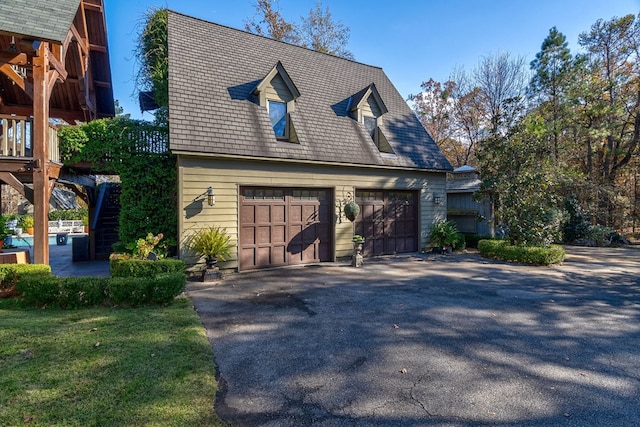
x=150, y=366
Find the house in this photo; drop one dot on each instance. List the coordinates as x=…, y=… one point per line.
x=279, y=138
x=54, y=64
x=467, y=206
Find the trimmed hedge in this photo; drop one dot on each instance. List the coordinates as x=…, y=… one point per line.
x=535, y=255
x=144, y=268
x=74, y=292
x=11, y=273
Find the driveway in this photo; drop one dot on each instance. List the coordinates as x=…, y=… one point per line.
x=429, y=340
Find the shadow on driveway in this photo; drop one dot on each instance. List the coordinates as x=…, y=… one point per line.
x=429, y=340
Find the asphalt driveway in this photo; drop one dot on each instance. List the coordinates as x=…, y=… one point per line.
x=429, y=340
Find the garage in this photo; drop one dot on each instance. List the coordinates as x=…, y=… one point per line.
x=388, y=221
x=284, y=226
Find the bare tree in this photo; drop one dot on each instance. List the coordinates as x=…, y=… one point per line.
x=319, y=32
x=268, y=22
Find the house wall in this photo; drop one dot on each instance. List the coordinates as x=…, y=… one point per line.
x=470, y=216
x=226, y=176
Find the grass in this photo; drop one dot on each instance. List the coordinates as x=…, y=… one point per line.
x=150, y=366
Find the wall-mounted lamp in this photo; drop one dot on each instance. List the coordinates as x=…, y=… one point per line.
x=437, y=199
x=211, y=197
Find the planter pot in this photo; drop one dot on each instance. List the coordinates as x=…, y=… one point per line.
x=30, y=230
x=356, y=259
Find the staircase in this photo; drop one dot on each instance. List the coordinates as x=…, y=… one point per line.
x=104, y=223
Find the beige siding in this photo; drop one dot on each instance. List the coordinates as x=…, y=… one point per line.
x=278, y=90
x=227, y=176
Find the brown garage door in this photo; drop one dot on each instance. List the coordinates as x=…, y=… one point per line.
x=283, y=226
x=388, y=220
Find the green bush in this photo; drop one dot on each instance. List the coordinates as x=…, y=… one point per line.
x=600, y=235
x=144, y=268
x=535, y=255
x=68, y=214
x=445, y=233
x=143, y=290
x=11, y=273
x=74, y=292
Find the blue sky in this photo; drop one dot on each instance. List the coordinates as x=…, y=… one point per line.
x=412, y=40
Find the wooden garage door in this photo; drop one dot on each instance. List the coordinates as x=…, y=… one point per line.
x=388, y=220
x=284, y=226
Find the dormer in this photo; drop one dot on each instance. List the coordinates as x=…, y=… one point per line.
x=277, y=93
x=368, y=108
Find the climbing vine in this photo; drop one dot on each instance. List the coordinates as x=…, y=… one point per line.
x=138, y=152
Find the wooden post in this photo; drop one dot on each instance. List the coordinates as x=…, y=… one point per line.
x=41, y=93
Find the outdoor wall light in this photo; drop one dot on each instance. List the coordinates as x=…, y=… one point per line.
x=437, y=199
x=211, y=197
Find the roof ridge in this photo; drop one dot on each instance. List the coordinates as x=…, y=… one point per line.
x=269, y=38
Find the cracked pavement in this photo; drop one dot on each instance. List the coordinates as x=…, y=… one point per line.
x=429, y=340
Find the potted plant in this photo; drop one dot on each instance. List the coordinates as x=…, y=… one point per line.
x=212, y=243
x=27, y=223
x=85, y=223
x=443, y=235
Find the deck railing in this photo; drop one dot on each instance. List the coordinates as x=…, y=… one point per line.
x=16, y=138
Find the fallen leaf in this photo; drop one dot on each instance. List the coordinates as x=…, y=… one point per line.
x=97, y=344
x=93, y=329
x=28, y=418
x=403, y=371
x=153, y=355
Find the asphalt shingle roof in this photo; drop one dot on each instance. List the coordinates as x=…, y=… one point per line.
x=214, y=69
x=39, y=19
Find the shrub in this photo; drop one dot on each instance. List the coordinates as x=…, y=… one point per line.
x=120, y=267
x=11, y=273
x=74, y=292
x=600, y=235
x=534, y=255
x=142, y=290
x=445, y=233
x=212, y=243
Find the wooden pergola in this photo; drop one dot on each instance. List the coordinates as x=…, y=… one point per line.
x=54, y=63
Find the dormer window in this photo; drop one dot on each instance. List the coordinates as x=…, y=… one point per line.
x=278, y=94
x=278, y=116
x=367, y=108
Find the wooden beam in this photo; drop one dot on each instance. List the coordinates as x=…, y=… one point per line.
x=83, y=44
x=13, y=58
x=22, y=110
x=92, y=7
x=23, y=83
x=20, y=187
x=40, y=132
x=98, y=48
x=57, y=66
x=16, y=164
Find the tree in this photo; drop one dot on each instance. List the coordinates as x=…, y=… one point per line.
x=319, y=32
x=271, y=23
x=605, y=96
x=553, y=68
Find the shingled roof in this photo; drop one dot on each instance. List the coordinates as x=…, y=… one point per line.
x=213, y=71
x=38, y=19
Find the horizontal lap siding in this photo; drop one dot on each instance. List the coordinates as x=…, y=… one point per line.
x=226, y=176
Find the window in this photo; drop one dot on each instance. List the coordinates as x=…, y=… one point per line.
x=278, y=117
x=371, y=124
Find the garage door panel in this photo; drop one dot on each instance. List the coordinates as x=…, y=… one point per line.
x=285, y=226
x=388, y=221
x=278, y=214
